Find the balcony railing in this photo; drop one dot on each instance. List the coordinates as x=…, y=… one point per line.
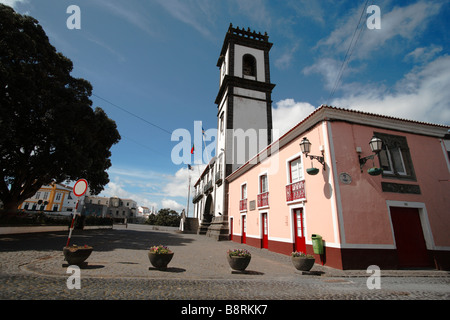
x=218, y=177
x=197, y=197
x=263, y=199
x=208, y=187
x=243, y=205
x=295, y=191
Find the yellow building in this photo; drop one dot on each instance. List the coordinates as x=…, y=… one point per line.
x=52, y=197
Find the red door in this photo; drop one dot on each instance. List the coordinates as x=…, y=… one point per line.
x=299, y=236
x=265, y=233
x=231, y=229
x=409, y=239
x=244, y=229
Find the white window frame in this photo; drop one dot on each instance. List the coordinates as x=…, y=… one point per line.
x=288, y=168
x=259, y=182
x=246, y=191
x=391, y=164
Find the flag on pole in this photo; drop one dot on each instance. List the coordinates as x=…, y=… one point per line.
x=192, y=150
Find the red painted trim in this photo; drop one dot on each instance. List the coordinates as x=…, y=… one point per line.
x=350, y=259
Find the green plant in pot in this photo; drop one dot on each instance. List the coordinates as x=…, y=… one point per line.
x=238, y=259
x=312, y=171
x=374, y=171
x=160, y=256
x=302, y=261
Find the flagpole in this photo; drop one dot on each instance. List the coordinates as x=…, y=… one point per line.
x=204, y=143
x=189, y=191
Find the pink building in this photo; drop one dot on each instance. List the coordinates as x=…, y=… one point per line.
x=399, y=218
x=264, y=193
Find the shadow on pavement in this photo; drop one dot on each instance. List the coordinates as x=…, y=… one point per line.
x=101, y=240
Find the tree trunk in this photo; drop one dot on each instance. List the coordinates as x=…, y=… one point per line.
x=14, y=198
x=10, y=206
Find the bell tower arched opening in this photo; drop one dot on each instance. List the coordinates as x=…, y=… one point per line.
x=249, y=66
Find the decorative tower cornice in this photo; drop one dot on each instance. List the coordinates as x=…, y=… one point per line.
x=246, y=37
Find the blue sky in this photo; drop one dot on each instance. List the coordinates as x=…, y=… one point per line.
x=152, y=65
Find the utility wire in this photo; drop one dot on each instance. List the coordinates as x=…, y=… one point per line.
x=348, y=54
x=140, y=118
x=134, y=115
x=159, y=153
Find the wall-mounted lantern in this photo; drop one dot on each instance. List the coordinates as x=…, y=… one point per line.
x=376, y=145
x=305, y=147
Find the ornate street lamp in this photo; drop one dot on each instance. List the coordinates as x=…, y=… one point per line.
x=376, y=145
x=305, y=147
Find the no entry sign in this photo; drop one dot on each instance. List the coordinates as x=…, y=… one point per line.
x=80, y=187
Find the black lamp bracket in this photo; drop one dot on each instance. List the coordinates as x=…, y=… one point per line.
x=362, y=161
x=321, y=159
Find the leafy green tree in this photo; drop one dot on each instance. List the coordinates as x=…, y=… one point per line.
x=164, y=217
x=48, y=129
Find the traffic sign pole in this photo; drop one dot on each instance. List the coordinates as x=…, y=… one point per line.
x=79, y=189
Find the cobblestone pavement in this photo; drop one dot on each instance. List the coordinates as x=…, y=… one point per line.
x=32, y=266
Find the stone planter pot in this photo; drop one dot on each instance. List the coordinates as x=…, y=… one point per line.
x=303, y=263
x=238, y=263
x=77, y=255
x=160, y=260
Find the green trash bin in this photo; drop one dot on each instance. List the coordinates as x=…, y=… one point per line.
x=317, y=243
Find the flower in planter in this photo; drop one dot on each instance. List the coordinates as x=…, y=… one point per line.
x=75, y=247
x=301, y=255
x=239, y=253
x=160, y=249
x=302, y=261
x=76, y=255
x=160, y=256
x=238, y=259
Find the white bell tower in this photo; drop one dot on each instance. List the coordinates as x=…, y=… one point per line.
x=244, y=99
x=244, y=117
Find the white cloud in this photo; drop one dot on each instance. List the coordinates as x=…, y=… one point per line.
x=404, y=22
x=105, y=46
x=192, y=13
x=255, y=10
x=176, y=185
x=327, y=67
x=288, y=113
x=309, y=9
x=13, y=3
x=172, y=204
x=152, y=189
x=116, y=189
x=284, y=61
x=421, y=95
x=423, y=54
x=401, y=24
x=132, y=14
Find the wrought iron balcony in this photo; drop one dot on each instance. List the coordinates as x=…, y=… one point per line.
x=263, y=199
x=208, y=187
x=218, y=177
x=197, y=197
x=296, y=191
x=243, y=205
